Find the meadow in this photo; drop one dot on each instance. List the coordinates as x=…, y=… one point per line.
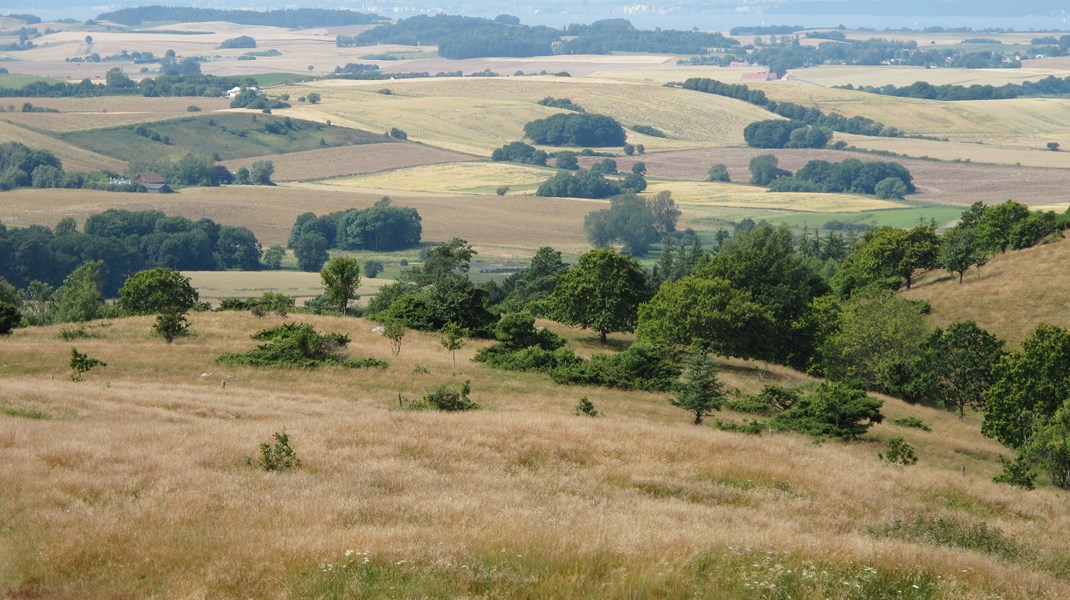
x=519, y=499
x=1032, y=281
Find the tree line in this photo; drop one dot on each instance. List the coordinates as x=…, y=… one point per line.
x=125, y=242
x=1049, y=86
x=379, y=228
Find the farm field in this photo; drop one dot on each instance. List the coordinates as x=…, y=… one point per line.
x=950, y=183
x=214, y=286
x=232, y=135
x=74, y=158
x=109, y=111
x=1032, y=281
x=349, y=160
x=519, y=225
x=1011, y=151
x=464, y=177
x=834, y=75
x=140, y=473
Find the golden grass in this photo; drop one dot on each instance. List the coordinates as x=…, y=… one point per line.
x=136, y=484
x=1012, y=150
x=106, y=111
x=1010, y=296
x=464, y=177
x=702, y=194
x=833, y=75
x=213, y=286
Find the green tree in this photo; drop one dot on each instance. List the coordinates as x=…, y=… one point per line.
x=395, y=332
x=80, y=297
x=372, y=268
x=664, y=212
x=313, y=98
x=154, y=290
x=1050, y=446
x=765, y=169
x=10, y=318
x=961, y=249
x=1029, y=386
x=310, y=249
x=453, y=338
x=698, y=390
x=528, y=289
x=833, y=410
x=706, y=312
x=718, y=172
x=967, y=358
x=261, y=171
x=602, y=292
x=82, y=363
x=171, y=324
x=890, y=188
x=273, y=258
x=341, y=278
x=997, y=223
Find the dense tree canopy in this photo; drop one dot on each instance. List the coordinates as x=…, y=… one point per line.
x=602, y=292
x=157, y=289
x=576, y=129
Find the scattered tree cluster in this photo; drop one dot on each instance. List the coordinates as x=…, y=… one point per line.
x=381, y=227
x=576, y=129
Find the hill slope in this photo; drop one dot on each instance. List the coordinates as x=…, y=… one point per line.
x=134, y=483
x=1010, y=296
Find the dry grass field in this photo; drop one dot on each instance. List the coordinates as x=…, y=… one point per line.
x=213, y=286
x=692, y=194
x=134, y=484
x=1010, y=295
x=506, y=227
x=107, y=111
x=349, y=160
x=833, y=75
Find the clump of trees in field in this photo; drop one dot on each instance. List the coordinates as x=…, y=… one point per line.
x=785, y=134
x=576, y=129
x=242, y=41
x=381, y=227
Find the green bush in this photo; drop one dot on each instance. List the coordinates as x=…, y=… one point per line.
x=1016, y=472
x=834, y=410
x=978, y=537
x=447, y=397
x=277, y=456
x=82, y=363
x=298, y=345
x=10, y=318
x=772, y=399
x=171, y=324
x=637, y=368
x=586, y=407
x=899, y=452
x=911, y=422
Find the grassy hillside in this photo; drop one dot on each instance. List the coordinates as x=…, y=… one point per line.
x=1009, y=296
x=134, y=483
x=74, y=158
x=232, y=135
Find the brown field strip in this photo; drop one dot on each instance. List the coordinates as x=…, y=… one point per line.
x=106, y=111
x=350, y=160
x=952, y=183
x=73, y=157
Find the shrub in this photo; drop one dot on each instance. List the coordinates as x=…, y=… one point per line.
x=193, y=108
x=718, y=172
x=10, y=318
x=835, y=410
x=398, y=134
x=637, y=368
x=899, y=452
x=911, y=422
x=771, y=400
x=277, y=456
x=586, y=407
x=978, y=537
x=502, y=190
x=171, y=324
x=447, y=397
x=78, y=333
x=82, y=364
x=372, y=268
x=298, y=345
x=1016, y=472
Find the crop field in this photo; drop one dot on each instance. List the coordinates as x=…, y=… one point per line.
x=507, y=227
x=731, y=195
x=349, y=160
x=73, y=157
x=10, y=80
x=107, y=111
x=231, y=135
x=478, y=115
x=1006, y=151
x=833, y=75
x=1009, y=296
x=951, y=183
x=454, y=178
x=135, y=482
x=213, y=286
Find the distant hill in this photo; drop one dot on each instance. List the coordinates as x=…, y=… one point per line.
x=296, y=19
x=1011, y=295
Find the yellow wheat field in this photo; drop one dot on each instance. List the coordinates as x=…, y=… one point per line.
x=702, y=194
x=465, y=177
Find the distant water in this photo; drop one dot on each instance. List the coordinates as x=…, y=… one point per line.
x=643, y=20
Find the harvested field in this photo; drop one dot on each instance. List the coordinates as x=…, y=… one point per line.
x=1033, y=154
x=730, y=195
x=510, y=226
x=74, y=158
x=959, y=184
x=349, y=160
x=457, y=178
x=832, y=75
x=213, y=286
x=459, y=113
x=107, y=111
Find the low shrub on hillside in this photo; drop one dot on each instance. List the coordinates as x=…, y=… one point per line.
x=447, y=397
x=298, y=345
